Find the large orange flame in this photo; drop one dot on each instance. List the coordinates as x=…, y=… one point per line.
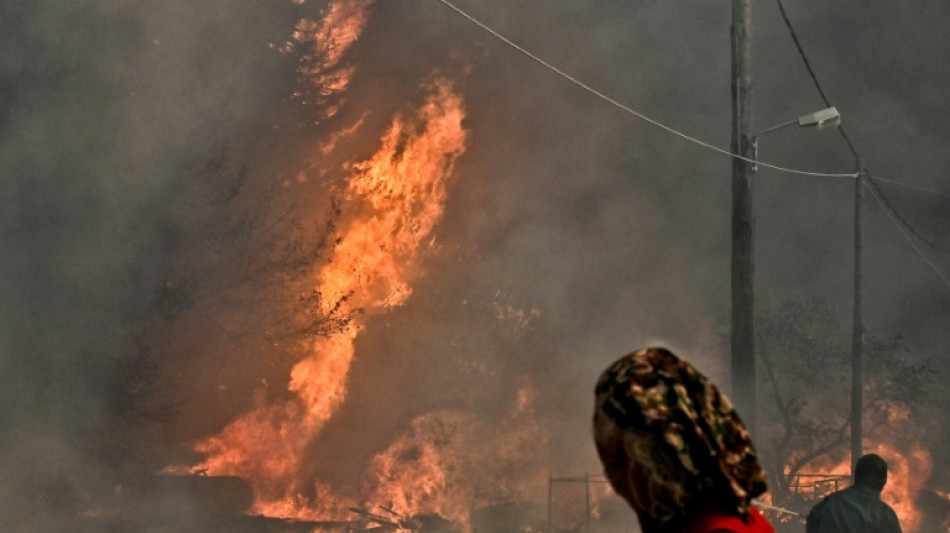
x=393, y=201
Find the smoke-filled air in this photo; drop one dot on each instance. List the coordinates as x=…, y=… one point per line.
x=355, y=266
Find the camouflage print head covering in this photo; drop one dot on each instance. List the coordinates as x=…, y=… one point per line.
x=654, y=391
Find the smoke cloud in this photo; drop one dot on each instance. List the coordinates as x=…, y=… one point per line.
x=161, y=183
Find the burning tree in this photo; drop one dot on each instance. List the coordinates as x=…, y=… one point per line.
x=233, y=254
x=806, y=361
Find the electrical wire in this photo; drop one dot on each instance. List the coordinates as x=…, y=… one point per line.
x=824, y=98
x=902, y=184
x=903, y=221
x=902, y=225
x=811, y=72
x=910, y=241
x=892, y=215
x=630, y=111
x=801, y=52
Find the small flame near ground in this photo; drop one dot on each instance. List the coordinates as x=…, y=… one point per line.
x=446, y=458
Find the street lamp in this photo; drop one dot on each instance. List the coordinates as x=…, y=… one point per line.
x=743, y=291
x=826, y=118
x=830, y=118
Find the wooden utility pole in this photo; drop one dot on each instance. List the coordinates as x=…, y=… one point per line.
x=743, y=331
x=857, y=331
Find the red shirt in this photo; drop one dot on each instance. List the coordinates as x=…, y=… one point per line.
x=719, y=521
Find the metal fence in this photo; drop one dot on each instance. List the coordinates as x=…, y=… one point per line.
x=569, y=502
x=814, y=486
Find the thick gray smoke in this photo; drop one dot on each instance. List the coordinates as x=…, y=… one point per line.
x=110, y=111
x=135, y=136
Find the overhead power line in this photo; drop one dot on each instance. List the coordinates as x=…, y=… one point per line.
x=630, y=111
x=824, y=98
x=890, y=215
x=903, y=184
x=811, y=73
x=896, y=219
x=801, y=52
x=899, y=221
x=903, y=221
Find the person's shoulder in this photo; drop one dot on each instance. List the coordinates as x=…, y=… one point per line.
x=893, y=524
x=854, y=493
x=834, y=500
x=889, y=511
x=716, y=522
x=837, y=495
x=818, y=505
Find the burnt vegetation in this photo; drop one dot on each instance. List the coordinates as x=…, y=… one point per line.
x=806, y=362
x=229, y=263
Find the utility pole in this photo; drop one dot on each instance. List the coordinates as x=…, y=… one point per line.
x=743, y=331
x=857, y=331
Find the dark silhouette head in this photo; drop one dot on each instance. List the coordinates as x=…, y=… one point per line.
x=871, y=471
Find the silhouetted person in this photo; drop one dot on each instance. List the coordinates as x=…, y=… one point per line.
x=674, y=448
x=858, y=508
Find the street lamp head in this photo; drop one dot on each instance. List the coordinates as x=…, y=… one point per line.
x=826, y=118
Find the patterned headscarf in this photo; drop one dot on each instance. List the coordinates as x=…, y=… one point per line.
x=654, y=391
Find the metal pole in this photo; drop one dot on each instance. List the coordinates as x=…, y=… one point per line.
x=857, y=332
x=743, y=331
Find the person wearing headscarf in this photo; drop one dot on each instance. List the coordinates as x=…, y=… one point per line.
x=857, y=508
x=674, y=448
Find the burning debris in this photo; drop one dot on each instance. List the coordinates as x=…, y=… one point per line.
x=393, y=521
